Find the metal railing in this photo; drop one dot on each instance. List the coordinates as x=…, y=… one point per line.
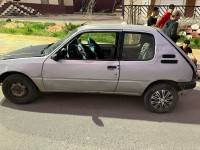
x=138, y=14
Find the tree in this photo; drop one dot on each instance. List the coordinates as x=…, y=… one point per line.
x=61, y=2
x=114, y=6
x=45, y=2
x=90, y=8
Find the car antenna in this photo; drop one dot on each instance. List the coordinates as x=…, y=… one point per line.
x=94, y=17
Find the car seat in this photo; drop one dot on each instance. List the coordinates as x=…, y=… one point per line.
x=74, y=53
x=94, y=47
x=147, y=51
x=89, y=53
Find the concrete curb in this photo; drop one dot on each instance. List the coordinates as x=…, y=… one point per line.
x=55, y=15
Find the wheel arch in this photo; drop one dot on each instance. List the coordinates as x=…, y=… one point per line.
x=170, y=82
x=6, y=74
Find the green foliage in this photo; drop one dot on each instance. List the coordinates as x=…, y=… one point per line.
x=181, y=40
x=10, y=31
x=71, y=27
x=46, y=24
x=38, y=26
x=32, y=28
x=2, y=23
x=100, y=37
x=194, y=42
x=58, y=34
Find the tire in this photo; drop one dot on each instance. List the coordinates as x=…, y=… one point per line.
x=161, y=98
x=19, y=89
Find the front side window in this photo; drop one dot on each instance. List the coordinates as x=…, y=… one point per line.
x=138, y=47
x=92, y=46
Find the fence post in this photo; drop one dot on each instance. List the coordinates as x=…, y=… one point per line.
x=194, y=12
x=135, y=8
x=131, y=13
x=133, y=16
x=123, y=9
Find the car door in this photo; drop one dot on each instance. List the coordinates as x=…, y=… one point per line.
x=88, y=74
x=136, y=62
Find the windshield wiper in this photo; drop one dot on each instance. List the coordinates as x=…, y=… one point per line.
x=47, y=46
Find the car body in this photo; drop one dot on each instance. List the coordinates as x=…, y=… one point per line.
x=116, y=59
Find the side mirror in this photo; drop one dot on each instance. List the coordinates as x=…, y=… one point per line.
x=55, y=57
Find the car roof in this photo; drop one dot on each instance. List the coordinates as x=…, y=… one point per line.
x=116, y=27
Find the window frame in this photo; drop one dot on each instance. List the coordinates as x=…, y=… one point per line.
x=117, y=44
x=122, y=45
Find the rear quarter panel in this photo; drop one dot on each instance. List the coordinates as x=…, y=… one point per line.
x=180, y=72
x=135, y=76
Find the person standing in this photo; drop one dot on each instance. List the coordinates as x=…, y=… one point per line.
x=171, y=26
x=166, y=16
x=152, y=20
x=83, y=7
x=188, y=51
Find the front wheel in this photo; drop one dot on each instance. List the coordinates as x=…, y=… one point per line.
x=19, y=89
x=161, y=98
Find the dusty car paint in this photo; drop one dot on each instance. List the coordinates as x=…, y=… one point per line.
x=130, y=78
x=32, y=51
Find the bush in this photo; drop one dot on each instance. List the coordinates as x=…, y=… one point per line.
x=71, y=27
x=38, y=26
x=33, y=28
x=58, y=34
x=9, y=31
x=194, y=42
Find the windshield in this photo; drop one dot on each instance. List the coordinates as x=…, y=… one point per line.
x=55, y=45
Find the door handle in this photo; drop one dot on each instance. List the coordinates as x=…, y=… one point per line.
x=111, y=67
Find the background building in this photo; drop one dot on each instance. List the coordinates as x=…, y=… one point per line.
x=67, y=6
x=164, y=2
x=49, y=6
x=71, y=6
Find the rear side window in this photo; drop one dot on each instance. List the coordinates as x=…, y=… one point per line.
x=138, y=47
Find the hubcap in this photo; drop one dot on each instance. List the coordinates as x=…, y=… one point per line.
x=162, y=99
x=18, y=89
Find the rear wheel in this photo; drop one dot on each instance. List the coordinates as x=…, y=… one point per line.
x=19, y=89
x=161, y=98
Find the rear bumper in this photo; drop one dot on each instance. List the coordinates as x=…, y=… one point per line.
x=187, y=85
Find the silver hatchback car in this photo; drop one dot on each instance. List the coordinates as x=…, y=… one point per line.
x=115, y=59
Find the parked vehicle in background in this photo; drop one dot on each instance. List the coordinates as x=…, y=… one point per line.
x=115, y=59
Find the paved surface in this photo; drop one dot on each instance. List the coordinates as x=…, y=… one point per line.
x=9, y=43
x=75, y=19
x=98, y=122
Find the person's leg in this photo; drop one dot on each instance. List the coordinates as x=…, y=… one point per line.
x=194, y=60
